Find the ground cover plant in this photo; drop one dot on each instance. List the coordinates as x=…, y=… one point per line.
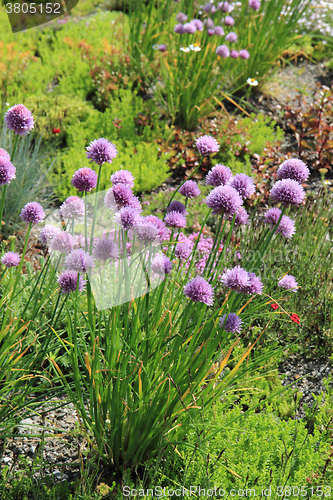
x=162, y=316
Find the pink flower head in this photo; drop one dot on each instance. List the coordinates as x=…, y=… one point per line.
x=84, y=179
x=19, y=119
x=73, y=206
x=190, y=28
x=254, y=4
x=146, y=231
x=47, y=233
x=231, y=37
x=234, y=54
x=199, y=290
x=242, y=217
x=225, y=7
x=232, y=324
x=68, y=282
x=7, y=170
x=175, y=220
x=11, y=259
x=62, y=242
x=128, y=217
x=229, y=21
x=162, y=47
x=181, y=17
x=123, y=177
x=162, y=231
x=243, y=185
x=79, y=261
x=210, y=32
x=254, y=286
x=207, y=7
x=224, y=199
x=293, y=169
x=288, y=192
x=189, y=189
x=177, y=206
x=4, y=154
x=179, y=28
x=32, y=212
x=207, y=145
x=288, y=282
x=101, y=150
x=105, y=249
x=182, y=251
x=218, y=176
x=222, y=51
x=161, y=264
x=198, y=24
x=209, y=23
x=244, y=54
x=236, y=279
x=218, y=30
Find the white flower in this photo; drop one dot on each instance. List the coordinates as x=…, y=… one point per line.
x=195, y=48
x=155, y=47
x=185, y=49
x=252, y=81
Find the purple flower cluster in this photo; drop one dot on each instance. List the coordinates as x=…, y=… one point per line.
x=207, y=145
x=241, y=281
x=175, y=220
x=288, y=282
x=224, y=199
x=79, y=261
x=219, y=175
x=182, y=251
x=128, y=217
x=293, y=169
x=243, y=185
x=7, y=170
x=4, y=154
x=199, y=290
x=10, y=259
x=232, y=324
x=32, y=212
x=101, y=151
x=85, y=179
x=19, y=119
x=177, y=206
x=288, y=192
x=189, y=189
x=161, y=264
x=123, y=177
x=105, y=249
x=121, y=195
x=47, y=233
x=286, y=226
x=68, y=282
x=73, y=206
x=62, y=242
x=186, y=246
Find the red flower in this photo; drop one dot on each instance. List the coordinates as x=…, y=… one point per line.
x=274, y=306
x=56, y=131
x=295, y=318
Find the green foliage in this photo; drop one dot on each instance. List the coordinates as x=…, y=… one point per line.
x=257, y=450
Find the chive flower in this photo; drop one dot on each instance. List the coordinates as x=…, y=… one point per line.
x=79, y=261
x=231, y=37
x=234, y=54
x=243, y=185
x=229, y=21
x=207, y=145
x=47, y=233
x=222, y=51
x=177, y=206
x=68, y=282
x=224, y=199
x=161, y=264
x=181, y=17
x=293, y=169
x=127, y=217
x=232, y=324
x=236, y=279
x=105, y=249
x=4, y=154
x=218, y=176
x=189, y=28
x=122, y=177
x=62, y=242
x=175, y=220
x=288, y=192
x=288, y=282
x=32, y=212
x=10, y=259
x=189, y=189
x=182, y=251
x=19, y=119
x=254, y=4
x=199, y=290
x=162, y=232
x=101, y=151
x=73, y=206
x=244, y=54
x=179, y=29
x=7, y=170
x=219, y=31
x=84, y=179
